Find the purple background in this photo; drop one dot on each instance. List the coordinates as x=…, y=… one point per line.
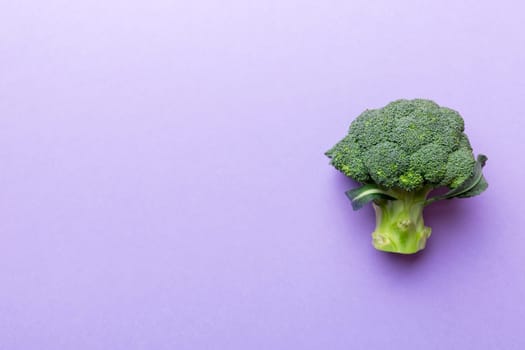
x=163, y=183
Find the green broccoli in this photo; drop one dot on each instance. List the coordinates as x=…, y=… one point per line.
x=400, y=153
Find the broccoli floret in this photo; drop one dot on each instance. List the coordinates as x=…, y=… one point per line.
x=400, y=153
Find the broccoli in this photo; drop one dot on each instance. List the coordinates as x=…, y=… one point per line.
x=400, y=153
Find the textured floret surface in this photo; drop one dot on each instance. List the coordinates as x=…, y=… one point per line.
x=408, y=145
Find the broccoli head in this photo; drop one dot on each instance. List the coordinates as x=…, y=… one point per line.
x=400, y=153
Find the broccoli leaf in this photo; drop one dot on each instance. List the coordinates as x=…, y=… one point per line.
x=365, y=194
x=480, y=187
x=472, y=186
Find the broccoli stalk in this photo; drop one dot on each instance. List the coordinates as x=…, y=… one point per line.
x=399, y=223
x=401, y=153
